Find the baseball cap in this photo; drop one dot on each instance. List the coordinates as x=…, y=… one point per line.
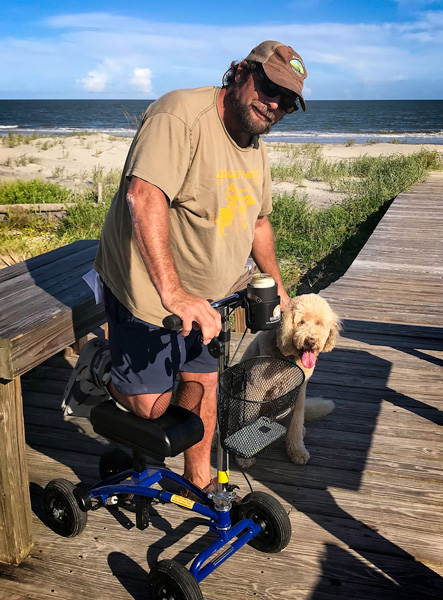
x=282, y=65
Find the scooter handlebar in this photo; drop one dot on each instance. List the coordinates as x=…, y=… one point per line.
x=172, y=322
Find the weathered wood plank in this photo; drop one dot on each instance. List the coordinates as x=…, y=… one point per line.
x=48, y=306
x=48, y=275
x=52, y=336
x=16, y=539
x=46, y=258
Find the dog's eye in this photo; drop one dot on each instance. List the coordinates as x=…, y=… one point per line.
x=319, y=323
x=302, y=322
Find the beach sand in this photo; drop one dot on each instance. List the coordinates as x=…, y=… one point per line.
x=71, y=161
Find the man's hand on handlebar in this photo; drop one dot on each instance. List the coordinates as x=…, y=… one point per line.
x=195, y=313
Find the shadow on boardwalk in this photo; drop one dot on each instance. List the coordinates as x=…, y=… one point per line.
x=341, y=447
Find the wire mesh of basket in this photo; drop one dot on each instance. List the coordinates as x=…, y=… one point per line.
x=253, y=397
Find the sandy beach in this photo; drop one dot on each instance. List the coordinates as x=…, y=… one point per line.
x=71, y=161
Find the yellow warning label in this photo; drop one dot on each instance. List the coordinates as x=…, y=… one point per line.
x=223, y=476
x=182, y=501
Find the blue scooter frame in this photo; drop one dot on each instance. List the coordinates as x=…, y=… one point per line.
x=140, y=484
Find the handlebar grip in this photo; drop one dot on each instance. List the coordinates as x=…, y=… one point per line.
x=172, y=322
x=175, y=323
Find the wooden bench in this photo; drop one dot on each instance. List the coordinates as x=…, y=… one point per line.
x=45, y=306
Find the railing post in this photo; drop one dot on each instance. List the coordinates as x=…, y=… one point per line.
x=15, y=504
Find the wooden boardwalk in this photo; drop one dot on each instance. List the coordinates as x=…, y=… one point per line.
x=366, y=511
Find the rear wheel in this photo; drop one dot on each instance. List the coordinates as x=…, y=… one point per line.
x=169, y=580
x=266, y=511
x=61, y=508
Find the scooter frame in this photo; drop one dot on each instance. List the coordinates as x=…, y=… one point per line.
x=216, y=506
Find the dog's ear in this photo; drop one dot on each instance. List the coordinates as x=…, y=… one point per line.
x=333, y=336
x=285, y=340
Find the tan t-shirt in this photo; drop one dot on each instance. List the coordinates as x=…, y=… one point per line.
x=216, y=191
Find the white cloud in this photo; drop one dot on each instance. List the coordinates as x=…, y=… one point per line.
x=141, y=79
x=94, y=81
x=98, y=79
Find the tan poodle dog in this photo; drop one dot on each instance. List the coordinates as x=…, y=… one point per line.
x=308, y=326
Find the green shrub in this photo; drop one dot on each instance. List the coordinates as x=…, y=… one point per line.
x=305, y=235
x=35, y=191
x=84, y=220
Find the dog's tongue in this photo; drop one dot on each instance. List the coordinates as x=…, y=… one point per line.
x=308, y=360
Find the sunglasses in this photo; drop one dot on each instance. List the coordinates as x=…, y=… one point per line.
x=287, y=102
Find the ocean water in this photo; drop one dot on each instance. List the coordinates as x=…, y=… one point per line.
x=326, y=121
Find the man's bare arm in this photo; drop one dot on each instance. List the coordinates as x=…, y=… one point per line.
x=263, y=253
x=148, y=206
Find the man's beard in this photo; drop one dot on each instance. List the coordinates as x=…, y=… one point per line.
x=243, y=114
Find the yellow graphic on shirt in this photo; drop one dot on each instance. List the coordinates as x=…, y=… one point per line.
x=238, y=201
x=228, y=174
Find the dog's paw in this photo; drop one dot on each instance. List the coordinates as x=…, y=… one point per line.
x=298, y=454
x=245, y=463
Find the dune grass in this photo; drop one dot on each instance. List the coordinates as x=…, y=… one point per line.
x=35, y=191
x=17, y=139
x=304, y=235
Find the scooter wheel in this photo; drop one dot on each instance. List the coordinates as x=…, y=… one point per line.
x=114, y=461
x=61, y=508
x=169, y=579
x=266, y=511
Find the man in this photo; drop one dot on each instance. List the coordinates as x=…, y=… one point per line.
x=192, y=205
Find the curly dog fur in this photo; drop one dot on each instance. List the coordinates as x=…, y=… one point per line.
x=308, y=327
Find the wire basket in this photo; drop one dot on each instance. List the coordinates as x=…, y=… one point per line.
x=253, y=397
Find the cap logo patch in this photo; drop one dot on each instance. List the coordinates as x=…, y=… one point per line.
x=297, y=66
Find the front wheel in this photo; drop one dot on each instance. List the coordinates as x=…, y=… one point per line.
x=169, y=580
x=266, y=511
x=61, y=508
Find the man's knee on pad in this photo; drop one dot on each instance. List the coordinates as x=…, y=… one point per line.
x=149, y=406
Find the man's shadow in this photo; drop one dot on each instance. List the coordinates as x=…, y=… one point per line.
x=339, y=447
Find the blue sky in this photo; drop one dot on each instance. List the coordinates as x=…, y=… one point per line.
x=357, y=49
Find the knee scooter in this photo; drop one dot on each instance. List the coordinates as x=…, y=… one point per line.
x=249, y=418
